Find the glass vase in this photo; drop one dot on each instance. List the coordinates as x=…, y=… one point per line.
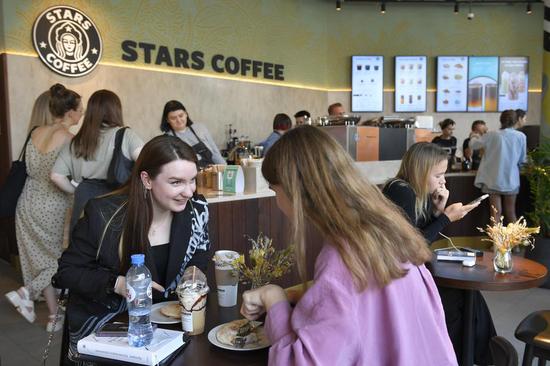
x=503, y=261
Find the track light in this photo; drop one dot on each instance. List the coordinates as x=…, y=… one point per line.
x=338, y=5
x=471, y=14
x=383, y=8
x=529, y=11
x=456, y=8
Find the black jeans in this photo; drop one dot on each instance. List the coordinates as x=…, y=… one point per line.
x=453, y=304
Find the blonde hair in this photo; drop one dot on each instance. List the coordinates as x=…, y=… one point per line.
x=415, y=169
x=372, y=236
x=41, y=115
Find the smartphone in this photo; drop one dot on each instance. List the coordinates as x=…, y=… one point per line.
x=479, y=199
x=116, y=329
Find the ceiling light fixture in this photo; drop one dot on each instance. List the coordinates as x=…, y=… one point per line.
x=338, y=5
x=471, y=14
x=529, y=11
x=383, y=8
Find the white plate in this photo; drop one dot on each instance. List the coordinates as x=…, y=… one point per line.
x=157, y=317
x=263, y=343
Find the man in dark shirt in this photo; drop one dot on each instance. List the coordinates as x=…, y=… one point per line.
x=446, y=140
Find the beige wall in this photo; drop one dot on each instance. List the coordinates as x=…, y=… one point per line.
x=250, y=107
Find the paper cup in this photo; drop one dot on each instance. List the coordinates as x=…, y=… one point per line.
x=227, y=279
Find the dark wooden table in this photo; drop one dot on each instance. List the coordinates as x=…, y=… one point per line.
x=525, y=274
x=201, y=352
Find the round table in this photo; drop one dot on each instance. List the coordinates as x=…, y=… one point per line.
x=525, y=274
x=201, y=352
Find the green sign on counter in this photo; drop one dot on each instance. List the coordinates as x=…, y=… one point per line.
x=233, y=179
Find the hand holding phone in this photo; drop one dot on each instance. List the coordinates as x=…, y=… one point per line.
x=477, y=200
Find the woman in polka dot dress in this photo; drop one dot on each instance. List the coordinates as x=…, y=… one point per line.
x=41, y=208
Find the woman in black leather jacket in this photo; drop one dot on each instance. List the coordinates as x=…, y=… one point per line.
x=156, y=213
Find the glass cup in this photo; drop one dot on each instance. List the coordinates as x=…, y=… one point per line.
x=490, y=97
x=475, y=96
x=227, y=279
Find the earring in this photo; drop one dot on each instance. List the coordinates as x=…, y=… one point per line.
x=145, y=193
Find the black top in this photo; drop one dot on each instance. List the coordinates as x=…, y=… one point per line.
x=90, y=266
x=160, y=256
x=402, y=194
x=450, y=143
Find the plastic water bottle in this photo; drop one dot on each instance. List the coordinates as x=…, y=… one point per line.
x=139, y=297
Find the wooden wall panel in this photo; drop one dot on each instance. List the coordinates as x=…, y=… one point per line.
x=8, y=244
x=231, y=221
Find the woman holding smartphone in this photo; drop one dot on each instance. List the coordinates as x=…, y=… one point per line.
x=419, y=189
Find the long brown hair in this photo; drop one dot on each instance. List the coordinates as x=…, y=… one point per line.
x=415, y=169
x=158, y=152
x=104, y=110
x=324, y=187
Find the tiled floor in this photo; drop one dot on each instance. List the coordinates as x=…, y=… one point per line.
x=22, y=343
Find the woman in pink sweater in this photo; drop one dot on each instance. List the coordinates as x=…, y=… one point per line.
x=372, y=302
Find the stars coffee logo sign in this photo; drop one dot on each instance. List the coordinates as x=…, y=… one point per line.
x=67, y=41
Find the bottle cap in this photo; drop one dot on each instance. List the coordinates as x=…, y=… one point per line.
x=138, y=259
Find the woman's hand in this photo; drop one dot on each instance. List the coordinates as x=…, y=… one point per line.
x=439, y=199
x=457, y=211
x=120, y=286
x=258, y=301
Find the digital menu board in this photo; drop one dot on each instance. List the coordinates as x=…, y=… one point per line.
x=452, y=84
x=514, y=82
x=367, y=83
x=482, y=83
x=410, y=83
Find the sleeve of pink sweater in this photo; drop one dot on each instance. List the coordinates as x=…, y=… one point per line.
x=318, y=331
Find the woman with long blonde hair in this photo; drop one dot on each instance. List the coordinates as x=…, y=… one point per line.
x=419, y=189
x=372, y=260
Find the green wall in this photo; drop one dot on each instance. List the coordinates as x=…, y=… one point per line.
x=2, y=34
x=309, y=37
x=432, y=30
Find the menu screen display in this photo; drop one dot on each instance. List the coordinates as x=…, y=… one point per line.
x=514, y=82
x=452, y=84
x=482, y=84
x=410, y=83
x=367, y=83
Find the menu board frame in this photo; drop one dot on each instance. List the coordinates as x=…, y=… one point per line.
x=499, y=108
x=497, y=83
x=425, y=92
x=382, y=85
x=437, y=87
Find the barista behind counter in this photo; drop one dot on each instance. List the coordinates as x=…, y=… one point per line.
x=175, y=121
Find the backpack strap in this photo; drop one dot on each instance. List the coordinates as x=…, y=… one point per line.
x=118, y=139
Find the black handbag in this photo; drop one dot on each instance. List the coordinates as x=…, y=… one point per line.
x=120, y=167
x=15, y=181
